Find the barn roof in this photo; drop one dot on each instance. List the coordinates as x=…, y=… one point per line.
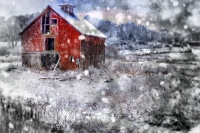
x=80, y=24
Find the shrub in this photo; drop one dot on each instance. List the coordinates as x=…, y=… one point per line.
x=178, y=105
x=111, y=52
x=4, y=51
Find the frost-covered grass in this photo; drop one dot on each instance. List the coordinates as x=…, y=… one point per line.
x=10, y=58
x=121, y=96
x=178, y=106
x=118, y=96
x=114, y=97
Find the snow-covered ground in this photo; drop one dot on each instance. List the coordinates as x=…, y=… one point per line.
x=196, y=51
x=118, y=95
x=94, y=94
x=154, y=51
x=104, y=95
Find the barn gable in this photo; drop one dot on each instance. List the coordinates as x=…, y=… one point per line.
x=80, y=24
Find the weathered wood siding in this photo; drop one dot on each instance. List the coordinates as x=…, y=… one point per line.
x=92, y=51
x=40, y=60
x=32, y=60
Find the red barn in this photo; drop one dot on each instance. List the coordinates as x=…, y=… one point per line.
x=56, y=35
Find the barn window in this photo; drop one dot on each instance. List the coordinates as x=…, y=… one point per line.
x=71, y=58
x=54, y=21
x=46, y=23
x=49, y=44
x=77, y=61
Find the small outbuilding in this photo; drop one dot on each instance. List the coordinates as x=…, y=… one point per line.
x=58, y=36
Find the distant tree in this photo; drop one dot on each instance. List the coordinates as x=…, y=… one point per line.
x=177, y=38
x=11, y=31
x=10, y=28
x=125, y=31
x=23, y=20
x=2, y=22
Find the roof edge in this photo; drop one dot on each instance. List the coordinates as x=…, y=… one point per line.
x=96, y=36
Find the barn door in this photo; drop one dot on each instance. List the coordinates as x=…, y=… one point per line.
x=49, y=44
x=49, y=60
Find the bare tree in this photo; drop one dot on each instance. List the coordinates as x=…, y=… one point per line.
x=10, y=28
x=2, y=23
x=11, y=31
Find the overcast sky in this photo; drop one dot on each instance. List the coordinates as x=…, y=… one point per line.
x=22, y=7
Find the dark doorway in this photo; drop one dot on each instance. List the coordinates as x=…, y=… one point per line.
x=49, y=44
x=49, y=60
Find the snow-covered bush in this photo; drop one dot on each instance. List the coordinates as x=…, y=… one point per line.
x=9, y=58
x=111, y=52
x=16, y=51
x=177, y=106
x=4, y=51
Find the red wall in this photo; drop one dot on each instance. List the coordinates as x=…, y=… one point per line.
x=32, y=39
x=68, y=44
x=65, y=36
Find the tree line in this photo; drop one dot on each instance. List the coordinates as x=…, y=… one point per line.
x=122, y=34
x=130, y=32
x=10, y=28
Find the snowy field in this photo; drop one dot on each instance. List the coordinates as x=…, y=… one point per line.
x=118, y=97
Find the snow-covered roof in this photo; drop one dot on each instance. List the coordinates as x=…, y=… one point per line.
x=66, y=4
x=80, y=24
